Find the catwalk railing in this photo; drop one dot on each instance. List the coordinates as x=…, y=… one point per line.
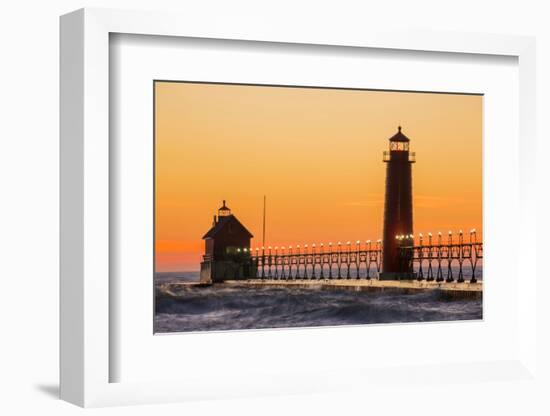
x=430, y=259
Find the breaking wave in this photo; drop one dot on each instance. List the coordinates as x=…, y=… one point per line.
x=182, y=308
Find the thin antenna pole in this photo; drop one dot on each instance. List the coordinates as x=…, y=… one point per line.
x=263, y=235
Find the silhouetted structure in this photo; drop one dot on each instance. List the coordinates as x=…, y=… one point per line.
x=398, y=209
x=432, y=259
x=228, y=255
x=227, y=249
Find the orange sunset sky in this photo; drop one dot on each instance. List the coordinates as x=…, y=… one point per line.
x=317, y=156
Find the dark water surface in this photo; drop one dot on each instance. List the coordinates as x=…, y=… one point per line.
x=219, y=307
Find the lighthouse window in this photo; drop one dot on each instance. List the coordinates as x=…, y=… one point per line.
x=399, y=146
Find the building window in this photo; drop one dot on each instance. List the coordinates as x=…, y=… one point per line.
x=399, y=146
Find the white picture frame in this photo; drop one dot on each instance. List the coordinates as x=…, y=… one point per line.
x=85, y=211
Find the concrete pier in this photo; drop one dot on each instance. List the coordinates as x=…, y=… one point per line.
x=453, y=289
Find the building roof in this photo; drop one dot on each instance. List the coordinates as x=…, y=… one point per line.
x=220, y=225
x=399, y=137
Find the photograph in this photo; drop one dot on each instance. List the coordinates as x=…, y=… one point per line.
x=286, y=206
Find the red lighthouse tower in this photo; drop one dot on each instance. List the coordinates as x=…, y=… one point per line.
x=398, y=209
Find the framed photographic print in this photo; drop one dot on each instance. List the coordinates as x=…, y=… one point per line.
x=330, y=200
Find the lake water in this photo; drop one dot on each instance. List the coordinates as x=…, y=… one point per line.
x=219, y=307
